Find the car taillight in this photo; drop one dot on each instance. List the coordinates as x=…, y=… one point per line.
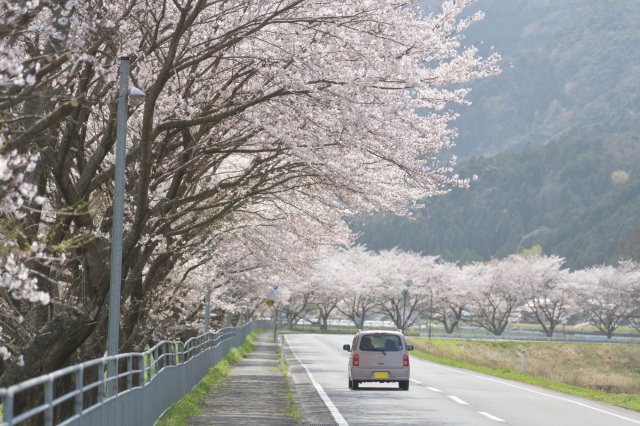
x=356, y=360
x=405, y=360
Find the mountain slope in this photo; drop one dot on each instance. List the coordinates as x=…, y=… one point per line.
x=554, y=140
x=566, y=65
x=577, y=196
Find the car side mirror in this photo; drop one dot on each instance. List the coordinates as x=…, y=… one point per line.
x=346, y=347
x=409, y=347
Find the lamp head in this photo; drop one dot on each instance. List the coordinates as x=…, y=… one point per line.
x=136, y=96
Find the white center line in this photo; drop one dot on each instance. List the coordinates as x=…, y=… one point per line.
x=497, y=419
x=585, y=405
x=458, y=400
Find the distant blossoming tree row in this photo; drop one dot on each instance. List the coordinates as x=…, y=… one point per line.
x=265, y=123
x=403, y=287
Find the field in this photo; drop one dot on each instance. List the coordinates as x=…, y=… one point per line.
x=603, y=371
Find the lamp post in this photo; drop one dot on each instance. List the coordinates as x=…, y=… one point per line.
x=408, y=283
x=207, y=297
x=115, y=276
x=430, y=310
x=207, y=308
x=272, y=301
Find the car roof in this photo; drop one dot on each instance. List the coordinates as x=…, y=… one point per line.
x=363, y=332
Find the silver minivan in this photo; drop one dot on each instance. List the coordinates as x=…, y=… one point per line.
x=378, y=356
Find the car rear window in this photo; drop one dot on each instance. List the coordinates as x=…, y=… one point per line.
x=380, y=342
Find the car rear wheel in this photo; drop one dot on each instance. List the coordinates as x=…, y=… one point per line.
x=355, y=385
x=404, y=384
x=350, y=383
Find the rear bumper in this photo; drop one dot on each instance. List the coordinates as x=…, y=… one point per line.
x=369, y=375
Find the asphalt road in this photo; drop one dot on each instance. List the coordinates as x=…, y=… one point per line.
x=442, y=396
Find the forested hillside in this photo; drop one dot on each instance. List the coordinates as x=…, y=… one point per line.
x=577, y=196
x=554, y=139
x=565, y=64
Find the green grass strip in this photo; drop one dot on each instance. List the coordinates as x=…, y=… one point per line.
x=189, y=406
x=629, y=401
x=292, y=410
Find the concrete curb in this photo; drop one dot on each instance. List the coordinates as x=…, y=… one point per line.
x=312, y=409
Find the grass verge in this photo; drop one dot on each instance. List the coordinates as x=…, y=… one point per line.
x=454, y=350
x=292, y=410
x=189, y=406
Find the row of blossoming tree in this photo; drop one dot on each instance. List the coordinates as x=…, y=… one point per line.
x=265, y=123
x=403, y=287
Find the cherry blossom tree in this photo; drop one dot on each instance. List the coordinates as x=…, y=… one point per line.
x=257, y=112
x=394, y=280
x=604, y=294
x=361, y=285
x=496, y=291
x=33, y=59
x=300, y=299
x=631, y=269
x=406, y=289
x=240, y=266
x=326, y=276
x=452, y=295
x=548, y=291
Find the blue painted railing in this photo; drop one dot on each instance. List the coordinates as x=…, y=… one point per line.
x=146, y=385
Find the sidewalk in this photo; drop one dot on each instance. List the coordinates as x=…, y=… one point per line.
x=256, y=393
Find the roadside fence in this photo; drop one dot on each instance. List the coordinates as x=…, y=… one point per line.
x=146, y=385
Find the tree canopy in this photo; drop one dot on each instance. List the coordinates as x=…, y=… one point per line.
x=264, y=124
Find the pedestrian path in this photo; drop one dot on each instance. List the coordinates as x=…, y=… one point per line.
x=256, y=393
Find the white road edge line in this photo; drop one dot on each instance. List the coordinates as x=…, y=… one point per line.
x=531, y=390
x=497, y=419
x=458, y=400
x=435, y=390
x=332, y=408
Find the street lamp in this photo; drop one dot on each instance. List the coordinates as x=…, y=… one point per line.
x=207, y=308
x=272, y=301
x=207, y=297
x=408, y=283
x=430, y=310
x=136, y=96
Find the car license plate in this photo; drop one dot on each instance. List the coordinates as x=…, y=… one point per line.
x=381, y=375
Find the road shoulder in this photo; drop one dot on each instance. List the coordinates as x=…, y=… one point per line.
x=312, y=409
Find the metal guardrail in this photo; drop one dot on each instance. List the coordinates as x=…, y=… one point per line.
x=574, y=338
x=146, y=385
x=560, y=335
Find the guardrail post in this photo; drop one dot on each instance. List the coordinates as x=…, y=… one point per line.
x=7, y=406
x=129, y=372
x=80, y=395
x=48, y=399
